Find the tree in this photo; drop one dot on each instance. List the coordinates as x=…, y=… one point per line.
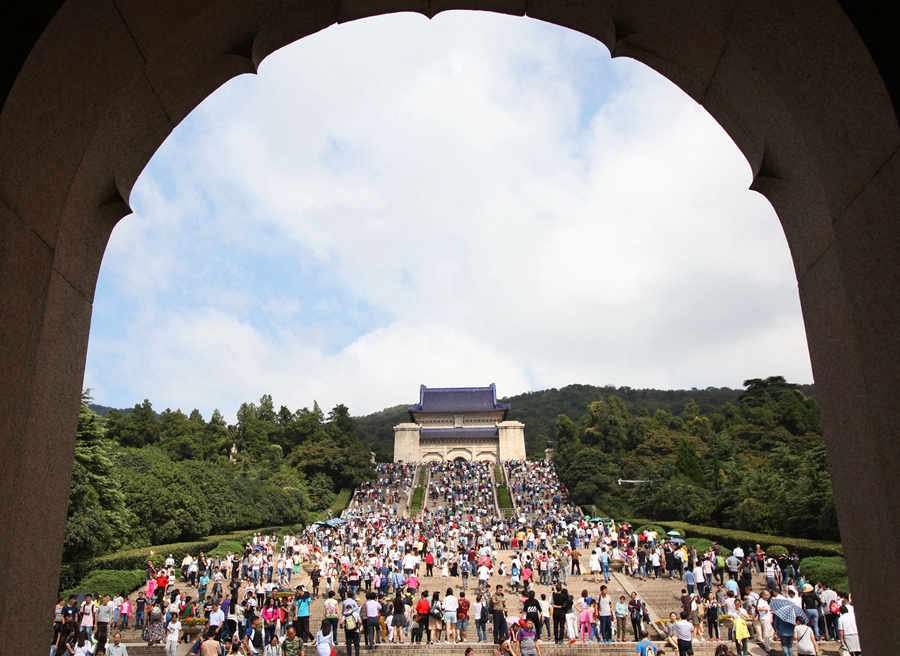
x=606, y=425
x=687, y=463
x=757, y=388
x=97, y=518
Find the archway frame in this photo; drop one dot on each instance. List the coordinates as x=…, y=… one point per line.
x=107, y=81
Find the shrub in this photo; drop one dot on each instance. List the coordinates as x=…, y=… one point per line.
x=830, y=569
x=416, y=503
x=343, y=500
x=225, y=546
x=651, y=527
x=503, y=497
x=776, y=551
x=109, y=582
x=132, y=559
x=700, y=544
x=731, y=538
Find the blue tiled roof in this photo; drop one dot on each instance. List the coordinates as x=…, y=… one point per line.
x=460, y=433
x=458, y=399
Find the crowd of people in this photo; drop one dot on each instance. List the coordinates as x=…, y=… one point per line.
x=388, y=492
x=459, y=488
x=381, y=576
x=536, y=488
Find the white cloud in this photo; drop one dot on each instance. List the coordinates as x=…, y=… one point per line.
x=396, y=201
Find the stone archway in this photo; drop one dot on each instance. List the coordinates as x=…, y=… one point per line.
x=93, y=87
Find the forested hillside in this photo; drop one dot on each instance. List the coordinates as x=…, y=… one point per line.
x=539, y=410
x=756, y=464
x=145, y=478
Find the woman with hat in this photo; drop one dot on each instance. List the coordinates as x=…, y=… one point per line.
x=809, y=602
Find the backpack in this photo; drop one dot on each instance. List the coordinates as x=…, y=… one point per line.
x=484, y=613
x=257, y=639
x=834, y=607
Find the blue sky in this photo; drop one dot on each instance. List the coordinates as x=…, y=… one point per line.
x=472, y=199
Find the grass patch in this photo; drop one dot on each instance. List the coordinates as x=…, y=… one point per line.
x=503, y=497
x=498, y=473
x=109, y=582
x=418, y=495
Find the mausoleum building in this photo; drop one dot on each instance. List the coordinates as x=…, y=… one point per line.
x=459, y=423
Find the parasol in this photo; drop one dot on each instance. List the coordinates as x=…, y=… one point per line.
x=785, y=609
x=674, y=533
x=676, y=540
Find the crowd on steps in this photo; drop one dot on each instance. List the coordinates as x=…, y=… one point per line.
x=459, y=573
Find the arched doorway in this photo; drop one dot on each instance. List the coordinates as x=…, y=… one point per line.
x=101, y=85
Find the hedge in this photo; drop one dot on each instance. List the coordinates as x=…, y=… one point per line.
x=651, y=527
x=416, y=502
x=702, y=545
x=71, y=573
x=225, y=546
x=340, y=505
x=503, y=497
x=109, y=582
x=731, y=538
x=830, y=569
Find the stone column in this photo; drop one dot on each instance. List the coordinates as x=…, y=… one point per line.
x=512, y=440
x=406, y=443
x=44, y=324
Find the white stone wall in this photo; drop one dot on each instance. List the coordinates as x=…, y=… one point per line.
x=439, y=450
x=406, y=443
x=512, y=440
x=409, y=447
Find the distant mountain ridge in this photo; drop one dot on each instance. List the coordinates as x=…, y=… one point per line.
x=539, y=410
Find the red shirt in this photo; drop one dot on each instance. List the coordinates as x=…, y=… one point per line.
x=462, y=613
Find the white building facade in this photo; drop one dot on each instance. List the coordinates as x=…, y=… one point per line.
x=459, y=423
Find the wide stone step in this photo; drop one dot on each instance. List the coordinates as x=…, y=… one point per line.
x=142, y=649
x=549, y=649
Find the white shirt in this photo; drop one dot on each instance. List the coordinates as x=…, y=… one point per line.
x=847, y=621
x=762, y=607
x=173, y=629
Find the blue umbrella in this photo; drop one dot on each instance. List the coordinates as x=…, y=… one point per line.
x=674, y=533
x=785, y=609
x=676, y=540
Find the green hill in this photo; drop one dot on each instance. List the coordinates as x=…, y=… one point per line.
x=539, y=410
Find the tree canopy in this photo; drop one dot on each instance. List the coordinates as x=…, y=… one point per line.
x=756, y=463
x=142, y=477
